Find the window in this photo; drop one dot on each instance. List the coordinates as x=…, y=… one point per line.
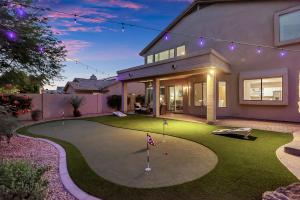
x=289, y=26
x=149, y=59
x=181, y=50
x=222, y=101
x=200, y=96
x=265, y=89
x=272, y=89
x=164, y=55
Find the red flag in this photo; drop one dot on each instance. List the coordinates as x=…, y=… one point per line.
x=150, y=140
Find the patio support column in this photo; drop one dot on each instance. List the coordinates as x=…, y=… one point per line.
x=124, y=97
x=156, y=101
x=211, y=97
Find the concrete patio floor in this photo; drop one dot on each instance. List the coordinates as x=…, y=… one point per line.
x=234, y=122
x=119, y=155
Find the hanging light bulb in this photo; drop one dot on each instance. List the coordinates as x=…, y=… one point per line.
x=21, y=13
x=201, y=42
x=123, y=27
x=41, y=50
x=282, y=53
x=232, y=46
x=75, y=18
x=11, y=36
x=259, y=50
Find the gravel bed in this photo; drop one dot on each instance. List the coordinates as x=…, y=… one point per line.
x=42, y=154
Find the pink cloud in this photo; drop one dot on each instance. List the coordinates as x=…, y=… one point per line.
x=117, y=3
x=75, y=46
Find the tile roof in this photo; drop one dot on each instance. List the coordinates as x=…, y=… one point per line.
x=90, y=84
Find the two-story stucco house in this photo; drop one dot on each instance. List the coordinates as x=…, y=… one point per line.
x=225, y=58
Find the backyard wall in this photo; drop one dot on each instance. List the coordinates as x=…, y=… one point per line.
x=54, y=105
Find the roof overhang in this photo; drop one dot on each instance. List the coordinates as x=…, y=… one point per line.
x=181, y=65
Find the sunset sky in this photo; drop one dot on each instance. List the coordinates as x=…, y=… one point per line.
x=101, y=44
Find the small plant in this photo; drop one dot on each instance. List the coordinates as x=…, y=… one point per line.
x=36, y=115
x=22, y=180
x=7, y=124
x=76, y=102
x=114, y=101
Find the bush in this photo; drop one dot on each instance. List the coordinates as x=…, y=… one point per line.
x=36, y=115
x=114, y=101
x=21, y=180
x=76, y=102
x=7, y=124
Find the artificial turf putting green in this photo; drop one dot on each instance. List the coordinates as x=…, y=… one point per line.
x=246, y=168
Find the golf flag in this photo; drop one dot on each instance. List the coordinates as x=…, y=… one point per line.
x=150, y=140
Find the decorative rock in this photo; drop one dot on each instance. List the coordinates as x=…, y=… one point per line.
x=42, y=154
x=291, y=192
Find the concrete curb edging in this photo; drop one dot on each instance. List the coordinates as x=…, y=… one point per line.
x=68, y=183
x=291, y=162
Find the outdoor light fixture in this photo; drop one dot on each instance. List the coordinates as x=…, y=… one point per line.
x=174, y=67
x=232, y=46
x=212, y=71
x=201, y=42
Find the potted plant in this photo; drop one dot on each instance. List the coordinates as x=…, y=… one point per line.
x=76, y=102
x=36, y=115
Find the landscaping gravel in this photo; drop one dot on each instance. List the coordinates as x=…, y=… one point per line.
x=42, y=154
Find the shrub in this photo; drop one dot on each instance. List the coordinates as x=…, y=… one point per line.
x=76, y=102
x=21, y=180
x=36, y=115
x=114, y=101
x=7, y=124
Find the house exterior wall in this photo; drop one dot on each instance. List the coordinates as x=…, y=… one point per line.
x=251, y=22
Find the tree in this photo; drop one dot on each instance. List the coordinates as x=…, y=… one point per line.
x=23, y=82
x=27, y=42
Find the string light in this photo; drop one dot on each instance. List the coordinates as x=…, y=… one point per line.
x=41, y=50
x=232, y=46
x=21, y=13
x=282, y=53
x=259, y=50
x=167, y=36
x=201, y=42
x=75, y=18
x=123, y=27
x=11, y=36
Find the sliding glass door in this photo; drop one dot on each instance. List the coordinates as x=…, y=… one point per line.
x=175, y=103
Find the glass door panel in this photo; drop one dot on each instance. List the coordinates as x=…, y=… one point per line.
x=178, y=98
x=171, y=103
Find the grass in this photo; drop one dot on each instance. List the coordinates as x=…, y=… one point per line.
x=245, y=170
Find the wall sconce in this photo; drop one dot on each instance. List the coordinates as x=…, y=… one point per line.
x=130, y=75
x=174, y=67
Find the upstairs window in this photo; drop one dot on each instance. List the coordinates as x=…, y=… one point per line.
x=181, y=51
x=164, y=55
x=289, y=26
x=150, y=59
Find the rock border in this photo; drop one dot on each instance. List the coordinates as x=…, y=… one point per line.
x=291, y=162
x=68, y=183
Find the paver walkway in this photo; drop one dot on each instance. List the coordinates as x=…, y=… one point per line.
x=233, y=122
x=119, y=155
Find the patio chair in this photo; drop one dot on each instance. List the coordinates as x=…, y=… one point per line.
x=236, y=131
x=138, y=108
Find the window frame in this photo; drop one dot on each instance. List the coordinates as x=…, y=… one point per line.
x=261, y=89
x=179, y=55
x=151, y=55
x=277, y=16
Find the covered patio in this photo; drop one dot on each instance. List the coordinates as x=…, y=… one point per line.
x=207, y=65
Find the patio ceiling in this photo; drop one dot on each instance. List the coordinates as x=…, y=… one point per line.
x=185, y=65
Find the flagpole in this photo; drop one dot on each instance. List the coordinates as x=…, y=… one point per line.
x=148, y=169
